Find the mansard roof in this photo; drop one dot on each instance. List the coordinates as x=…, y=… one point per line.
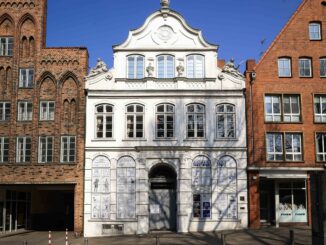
x=165, y=29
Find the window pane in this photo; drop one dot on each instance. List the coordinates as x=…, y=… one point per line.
x=131, y=67
x=140, y=67
x=314, y=31
x=284, y=67
x=323, y=67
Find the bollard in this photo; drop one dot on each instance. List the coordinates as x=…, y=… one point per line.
x=85, y=241
x=49, y=237
x=67, y=237
x=223, y=239
x=157, y=241
x=291, y=237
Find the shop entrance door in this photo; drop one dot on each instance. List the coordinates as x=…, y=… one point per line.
x=267, y=202
x=162, y=198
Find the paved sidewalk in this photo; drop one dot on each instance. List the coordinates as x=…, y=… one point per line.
x=266, y=236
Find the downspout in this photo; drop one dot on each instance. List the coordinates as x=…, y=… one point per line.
x=252, y=79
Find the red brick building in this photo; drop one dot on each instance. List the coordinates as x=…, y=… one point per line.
x=286, y=119
x=42, y=118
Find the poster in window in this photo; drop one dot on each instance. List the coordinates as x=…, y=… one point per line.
x=105, y=206
x=232, y=207
x=222, y=175
x=96, y=206
x=222, y=202
x=232, y=177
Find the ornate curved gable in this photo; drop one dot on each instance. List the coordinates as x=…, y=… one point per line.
x=165, y=29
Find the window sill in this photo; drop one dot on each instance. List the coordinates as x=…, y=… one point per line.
x=103, y=140
x=134, y=139
x=165, y=139
x=226, y=139
x=282, y=122
x=300, y=162
x=195, y=139
x=49, y=120
x=26, y=88
x=319, y=122
x=306, y=77
x=201, y=219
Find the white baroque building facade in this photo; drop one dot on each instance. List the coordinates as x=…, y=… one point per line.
x=166, y=135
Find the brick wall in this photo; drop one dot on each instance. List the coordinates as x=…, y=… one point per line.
x=59, y=76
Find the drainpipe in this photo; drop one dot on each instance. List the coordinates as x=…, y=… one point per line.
x=252, y=79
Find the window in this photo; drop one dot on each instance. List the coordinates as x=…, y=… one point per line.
x=4, y=149
x=195, y=121
x=135, y=121
x=282, y=147
x=284, y=67
x=165, y=66
x=45, y=149
x=225, y=120
x=4, y=111
x=26, y=78
x=274, y=145
x=101, y=188
x=195, y=66
x=135, y=67
x=320, y=108
x=165, y=121
x=282, y=108
x=126, y=188
x=6, y=46
x=202, y=187
x=68, y=149
x=321, y=147
x=47, y=110
x=23, y=151
x=104, y=121
x=25, y=111
x=314, y=31
x=305, y=67
x=323, y=67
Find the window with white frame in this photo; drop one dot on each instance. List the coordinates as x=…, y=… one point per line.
x=321, y=147
x=293, y=147
x=202, y=187
x=25, y=111
x=284, y=67
x=320, y=108
x=104, y=121
x=225, y=120
x=4, y=149
x=284, y=108
x=165, y=121
x=305, y=67
x=274, y=146
x=195, y=66
x=26, y=78
x=47, y=110
x=195, y=121
x=4, y=111
x=6, y=46
x=45, y=149
x=136, y=66
x=126, y=188
x=165, y=66
x=23, y=149
x=314, y=31
x=68, y=149
x=135, y=121
x=323, y=67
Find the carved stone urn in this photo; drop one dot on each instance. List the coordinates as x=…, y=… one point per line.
x=165, y=3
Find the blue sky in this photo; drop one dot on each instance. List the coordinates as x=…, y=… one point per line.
x=238, y=26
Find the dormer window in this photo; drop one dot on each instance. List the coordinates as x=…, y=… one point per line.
x=165, y=66
x=314, y=31
x=195, y=66
x=136, y=67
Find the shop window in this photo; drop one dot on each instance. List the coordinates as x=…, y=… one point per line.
x=68, y=149
x=101, y=188
x=320, y=108
x=321, y=147
x=196, y=121
x=136, y=64
x=195, y=66
x=284, y=67
x=4, y=149
x=135, y=121
x=23, y=149
x=227, y=181
x=47, y=110
x=305, y=67
x=225, y=121
x=126, y=188
x=104, y=121
x=165, y=121
x=202, y=187
x=282, y=108
x=165, y=66
x=45, y=149
x=292, y=202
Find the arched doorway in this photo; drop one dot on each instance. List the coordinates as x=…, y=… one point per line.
x=162, y=198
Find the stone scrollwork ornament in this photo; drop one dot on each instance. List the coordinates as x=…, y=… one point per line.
x=232, y=70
